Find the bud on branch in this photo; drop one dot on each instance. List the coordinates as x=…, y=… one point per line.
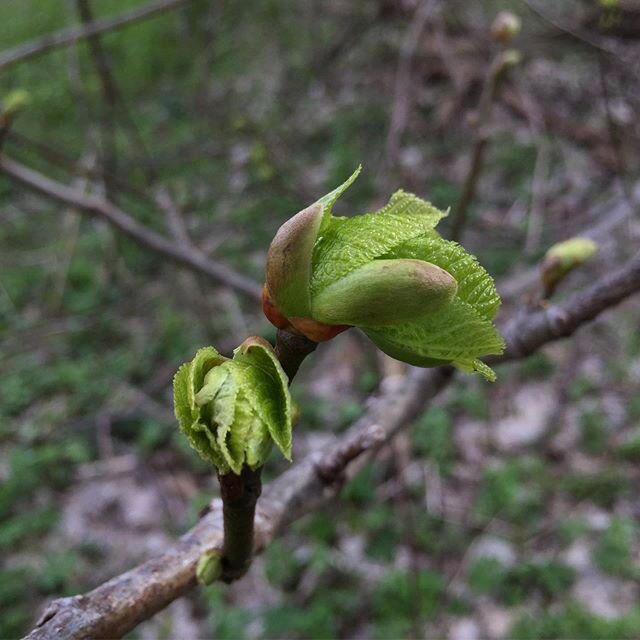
x=232, y=411
x=420, y=298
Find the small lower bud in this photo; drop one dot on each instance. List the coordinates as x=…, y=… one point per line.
x=506, y=26
x=209, y=567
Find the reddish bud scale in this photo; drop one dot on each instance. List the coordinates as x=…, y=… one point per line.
x=312, y=329
x=271, y=311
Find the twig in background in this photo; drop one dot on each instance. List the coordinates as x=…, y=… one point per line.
x=580, y=37
x=612, y=129
x=402, y=89
x=537, y=201
x=75, y=34
x=70, y=232
x=499, y=67
x=191, y=258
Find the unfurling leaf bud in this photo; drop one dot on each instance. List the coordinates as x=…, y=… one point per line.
x=420, y=298
x=385, y=292
x=233, y=410
x=562, y=258
x=505, y=27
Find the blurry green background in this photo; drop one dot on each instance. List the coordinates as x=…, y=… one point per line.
x=508, y=510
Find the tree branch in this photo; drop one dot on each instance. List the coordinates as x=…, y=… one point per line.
x=75, y=34
x=188, y=257
x=496, y=74
x=118, y=605
x=527, y=334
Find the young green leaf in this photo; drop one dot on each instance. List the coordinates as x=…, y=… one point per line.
x=260, y=371
x=456, y=334
x=421, y=299
x=349, y=243
x=330, y=199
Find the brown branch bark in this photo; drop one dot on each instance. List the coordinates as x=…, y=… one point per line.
x=188, y=257
x=72, y=35
x=291, y=350
x=118, y=605
x=239, y=493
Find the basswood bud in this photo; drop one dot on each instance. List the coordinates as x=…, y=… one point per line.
x=420, y=298
x=233, y=410
x=562, y=258
x=385, y=292
x=505, y=27
x=506, y=60
x=377, y=293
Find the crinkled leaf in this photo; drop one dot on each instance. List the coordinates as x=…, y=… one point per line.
x=259, y=444
x=230, y=433
x=181, y=403
x=266, y=387
x=213, y=380
x=349, y=243
x=409, y=204
x=186, y=383
x=456, y=334
x=232, y=410
x=475, y=285
x=204, y=360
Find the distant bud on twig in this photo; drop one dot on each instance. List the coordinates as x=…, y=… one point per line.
x=562, y=258
x=14, y=102
x=507, y=59
x=505, y=27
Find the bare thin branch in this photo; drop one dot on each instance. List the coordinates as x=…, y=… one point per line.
x=402, y=89
x=120, y=604
x=188, y=257
x=496, y=74
x=75, y=34
x=526, y=335
x=109, y=95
